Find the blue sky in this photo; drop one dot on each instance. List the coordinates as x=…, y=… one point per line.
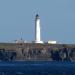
x=57, y=20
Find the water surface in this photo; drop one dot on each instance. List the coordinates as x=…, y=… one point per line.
x=37, y=68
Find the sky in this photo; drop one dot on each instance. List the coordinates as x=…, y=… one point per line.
x=17, y=19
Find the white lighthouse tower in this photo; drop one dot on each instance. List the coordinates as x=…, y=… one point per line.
x=37, y=30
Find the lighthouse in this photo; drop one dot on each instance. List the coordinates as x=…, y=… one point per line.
x=37, y=30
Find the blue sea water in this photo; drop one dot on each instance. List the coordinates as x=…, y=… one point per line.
x=37, y=68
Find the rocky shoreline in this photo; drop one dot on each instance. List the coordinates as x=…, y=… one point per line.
x=32, y=51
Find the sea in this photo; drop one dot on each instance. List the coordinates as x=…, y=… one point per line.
x=37, y=68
